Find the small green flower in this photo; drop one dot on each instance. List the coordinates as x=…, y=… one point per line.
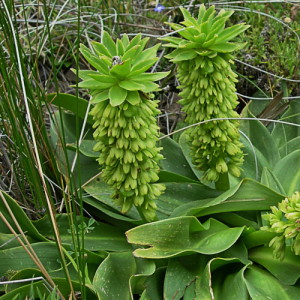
x=124, y=119
x=285, y=221
x=202, y=54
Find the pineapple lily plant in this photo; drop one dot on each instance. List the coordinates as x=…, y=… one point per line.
x=124, y=119
x=203, y=56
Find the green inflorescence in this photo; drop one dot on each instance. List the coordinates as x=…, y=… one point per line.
x=285, y=222
x=202, y=54
x=124, y=119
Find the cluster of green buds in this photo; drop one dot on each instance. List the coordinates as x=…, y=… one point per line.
x=124, y=113
x=204, y=59
x=285, y=222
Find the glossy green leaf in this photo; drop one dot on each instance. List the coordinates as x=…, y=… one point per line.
x=262, y=140
x=286, y=270
x=21, y=217
x=120, y=47
x=131, y=85
x=142, y=66
x=103, y=78
x=8, y=240
x=184, y=55
x=172, y=237
x=99, y=97
x=231, y=32
x=204, y=288
x=150, y=76
x=122, y=70
x=16, y=259
x=133, y=97
x=262, y=285
x=100, y=49
x=149, y=86
x=226, y=47
x=111, y=279
x=94, y=84
x=282, y=133
x=109, y=43
x=247, y=195
x=289, y=147
x=269, y=179
x=117, y=95
x=72, y=103
x=180, y=273
x=101, y=237
x=288, y=172
x=95, y=61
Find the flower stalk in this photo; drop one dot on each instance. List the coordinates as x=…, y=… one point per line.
x=124, y=119
x=204, y=59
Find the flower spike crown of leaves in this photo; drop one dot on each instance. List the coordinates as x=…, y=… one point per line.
x=124, y=113
x=202, y=54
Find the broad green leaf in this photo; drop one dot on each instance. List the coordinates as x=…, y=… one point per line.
x=288, y=172
x=103, y=78
x=172, y=40
x=154, y=286
x=16, y=259
x=135, y=41
x=125, y=40
x=289, y=147
x=95, y=61
x=100, y=49
x=231, y=32
x=85, y=74
x=262, y=140
x=269, y=179
x=131, y=53
x=190, y=293
x=21, y=217
x=227, y=47
x=150, y=76
x=142, y=66
x=26, y=290
x=282, y=133
x=109, y=43
x=188, y=19
x=258, y=238
x=76, y=105
x=94, y=84
x=181, y=30
x=122, y=70
x=120, y=47
x=262, y=285
x=111, y=279
x=117, y=95
x=248, y=195
x=145, y=55
x=204, y=282
x=101, y=191
x=174, y=160
x=101, y=237
x=231, y=286
x=184, y=55
x=286, y=270
x=99, y=97
x=165, y=176
x=8, y=240
x=209, y=12
x=133, y=97
x=180, y=273
x=131, y=85
x=149, y=86
x=144, y=269
x=182, y=235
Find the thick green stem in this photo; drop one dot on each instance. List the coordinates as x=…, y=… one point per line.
x=223, y=182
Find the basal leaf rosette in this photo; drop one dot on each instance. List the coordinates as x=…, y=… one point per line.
x=203, y=56
x=124, y=113
x=285, y=222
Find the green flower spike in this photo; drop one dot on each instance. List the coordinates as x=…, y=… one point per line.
x=124, y=113
x=285, y=222
x=202, y=54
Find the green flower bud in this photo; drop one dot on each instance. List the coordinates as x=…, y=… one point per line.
x=285, y=221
